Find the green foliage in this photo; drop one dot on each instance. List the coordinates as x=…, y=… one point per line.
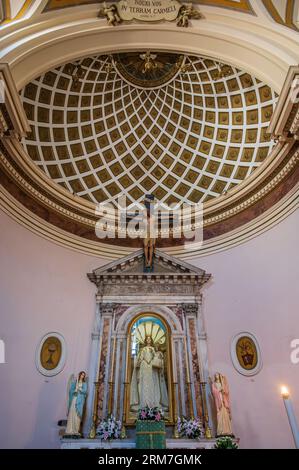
x=225, y=443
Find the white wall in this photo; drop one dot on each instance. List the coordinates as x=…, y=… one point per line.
x=44, y=287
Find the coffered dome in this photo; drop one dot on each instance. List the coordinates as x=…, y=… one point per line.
x=195, y=129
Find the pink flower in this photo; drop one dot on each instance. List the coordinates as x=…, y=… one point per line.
x=158, y=417
x=143, y=414
x=106, y=435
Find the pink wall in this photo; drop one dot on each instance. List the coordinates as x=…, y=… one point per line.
x=255, y=289
x=44, y=288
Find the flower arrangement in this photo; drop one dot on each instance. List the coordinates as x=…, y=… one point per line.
x=225, y=443
x=152, y=414
x=190, y=428
x=109, y=428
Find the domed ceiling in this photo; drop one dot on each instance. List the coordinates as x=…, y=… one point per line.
x=183, y=128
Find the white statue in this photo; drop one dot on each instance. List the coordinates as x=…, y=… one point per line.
x=111, y=13
x=77, y=392
x=186, y=12
x=220, y=392
x=148, y=386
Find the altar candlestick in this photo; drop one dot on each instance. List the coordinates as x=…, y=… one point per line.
x=111, y=383
x=112, y=360
x=188, y=381
x=93, y=430
x=291, y=415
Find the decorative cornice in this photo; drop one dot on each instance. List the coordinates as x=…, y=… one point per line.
x=287, y=205
x=148, y=278
x=23, y=182
x=115, y=273
x=240, y=204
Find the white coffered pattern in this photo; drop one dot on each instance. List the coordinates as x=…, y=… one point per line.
x=188, y=141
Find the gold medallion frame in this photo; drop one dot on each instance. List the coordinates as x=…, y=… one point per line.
x=130, y=420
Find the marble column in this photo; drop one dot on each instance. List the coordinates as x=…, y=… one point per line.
x=96, y=339
x=202, y=345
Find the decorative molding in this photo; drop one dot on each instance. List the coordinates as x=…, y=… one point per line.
x=114, y=280
x=288, y=18
x=236, y=195
x=190, y=309
x=275, y=215
x=139, y=308
x=13, y=118
x=242, y=5
x=285, y=111
x=6, y=15
x=59, y=4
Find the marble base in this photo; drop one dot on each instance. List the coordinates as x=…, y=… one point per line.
x=130, y=444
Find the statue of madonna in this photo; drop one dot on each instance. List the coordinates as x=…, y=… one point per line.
x=148, y=387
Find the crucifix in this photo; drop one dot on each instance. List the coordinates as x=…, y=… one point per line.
x=149, y=240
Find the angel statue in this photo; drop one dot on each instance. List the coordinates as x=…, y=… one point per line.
x=186, y=12
x=111, y=13
x=220, y=392
x=77, y=392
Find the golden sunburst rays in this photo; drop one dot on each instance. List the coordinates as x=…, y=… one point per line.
x=149, y=328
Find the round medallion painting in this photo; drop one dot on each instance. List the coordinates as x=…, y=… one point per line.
x=147, y=70
x=245, y=354
x=50, y=355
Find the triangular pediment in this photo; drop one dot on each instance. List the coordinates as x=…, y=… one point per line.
x=134, y=264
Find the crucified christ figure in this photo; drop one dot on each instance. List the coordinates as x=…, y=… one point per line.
x=149, y=240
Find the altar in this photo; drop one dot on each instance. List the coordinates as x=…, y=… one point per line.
x=130, y=444
x=148, y=343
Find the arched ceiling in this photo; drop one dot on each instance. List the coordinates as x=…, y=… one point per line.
x=49, y=182
x=283, y=12
x=189, y=140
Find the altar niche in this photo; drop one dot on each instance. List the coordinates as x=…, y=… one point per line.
x=149, y=367
x=148, y=343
